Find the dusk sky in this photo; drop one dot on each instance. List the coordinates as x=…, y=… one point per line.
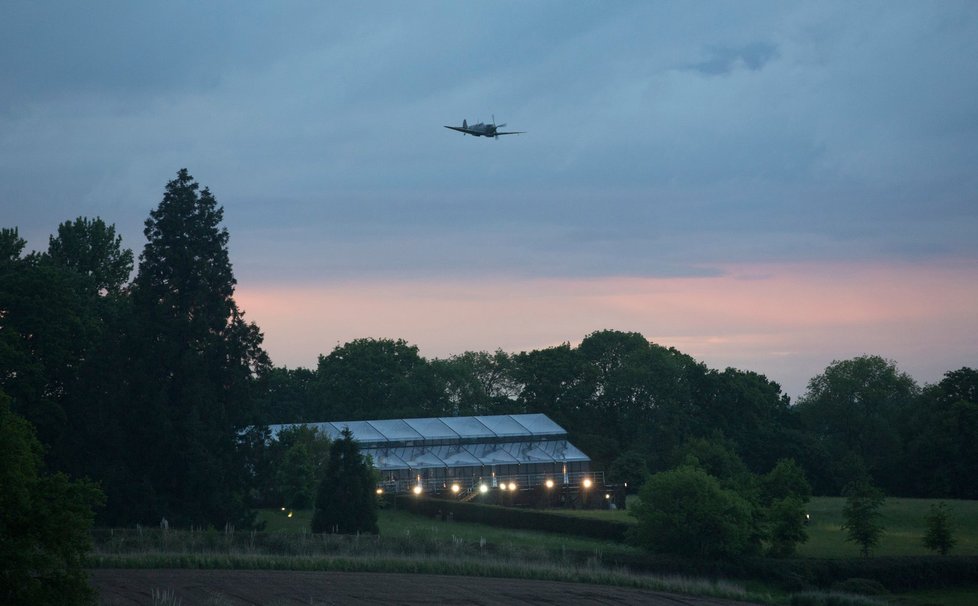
x=765, y=185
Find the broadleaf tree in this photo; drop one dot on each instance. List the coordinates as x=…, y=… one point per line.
x=92, y=249
x=687, y=512
x=45, y=521
x=854, y=408
x=861, y=513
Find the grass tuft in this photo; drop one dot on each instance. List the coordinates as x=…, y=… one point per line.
x=164, y=597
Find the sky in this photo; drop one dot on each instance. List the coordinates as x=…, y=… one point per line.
x=764, y=185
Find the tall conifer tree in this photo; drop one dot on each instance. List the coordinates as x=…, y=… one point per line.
x=195, y=361
x=346, y=502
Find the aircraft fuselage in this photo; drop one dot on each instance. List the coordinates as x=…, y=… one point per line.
x=482, y=129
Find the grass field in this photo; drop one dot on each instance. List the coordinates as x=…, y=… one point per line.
x=412, y=543
x=408, y=544
x=402, y=524
x=904, y=519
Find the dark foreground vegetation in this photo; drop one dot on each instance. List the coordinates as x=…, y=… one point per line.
x=418, y=541
x=155, y=389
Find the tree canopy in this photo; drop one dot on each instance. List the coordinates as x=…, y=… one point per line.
x=194, y=363
x=346, y=502
x=44, y=522
x=92, y=249
x=856, y=408
x=685, y=511
x=164, y=387
x=862, y=520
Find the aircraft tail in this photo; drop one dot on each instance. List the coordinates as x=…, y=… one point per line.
x=465, y=123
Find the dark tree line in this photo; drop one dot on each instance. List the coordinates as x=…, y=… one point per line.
x=142, y=386
x=636, y=407
x=158, y=388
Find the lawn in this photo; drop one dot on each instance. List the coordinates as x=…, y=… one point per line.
x=403, y=524
x=905, y=521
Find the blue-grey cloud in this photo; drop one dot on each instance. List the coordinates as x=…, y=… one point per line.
x=723, y=60
x=835, y=132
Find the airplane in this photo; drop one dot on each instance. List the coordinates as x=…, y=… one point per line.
x=484, y=130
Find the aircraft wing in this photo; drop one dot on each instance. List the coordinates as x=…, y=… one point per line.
x=468, y=131
x=512, y=132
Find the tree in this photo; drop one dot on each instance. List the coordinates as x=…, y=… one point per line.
x=92, y=249
x=288, y=396
x=194, y=365
x=629, y=469
x=787, y=479
x=786, y=525
x=377, y=379
x=91, y=253
x=11, y=245
x=685, y=511
x=942, y=439
x=861, y=515
x=297, y=460
x=639, y=391
x=855, y=407
x=784, y=491
x=717, y=457
x=478, y=382
x=346, y=502
x=48, y=327
x=940, y=530
x=44, y=523
x=62, y=359
x=552, y=381
x=296, y=477
x=752, y=413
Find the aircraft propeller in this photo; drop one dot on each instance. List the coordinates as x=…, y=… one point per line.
x=496, y=127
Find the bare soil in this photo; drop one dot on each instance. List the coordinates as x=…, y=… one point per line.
x=238, y=587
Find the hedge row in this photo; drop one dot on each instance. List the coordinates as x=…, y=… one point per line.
x=895, y=573
x=510, y=517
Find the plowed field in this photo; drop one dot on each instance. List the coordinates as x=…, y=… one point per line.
x=240, y=587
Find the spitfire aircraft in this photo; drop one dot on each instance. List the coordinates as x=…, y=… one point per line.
x=483, y=130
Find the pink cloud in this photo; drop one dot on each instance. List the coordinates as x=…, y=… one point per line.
x=785, y=321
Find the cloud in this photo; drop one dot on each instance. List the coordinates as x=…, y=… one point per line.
x=667, y=142
x=789, y=321
x=723, y=60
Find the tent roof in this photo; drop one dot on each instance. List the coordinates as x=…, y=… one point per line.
x=506, y=427
x=455, y=441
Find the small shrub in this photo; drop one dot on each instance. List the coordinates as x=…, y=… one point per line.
x=862, y=515
x=940, y=530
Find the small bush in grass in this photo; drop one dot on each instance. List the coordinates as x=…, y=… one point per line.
x=940, y=531
x=862, y=515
